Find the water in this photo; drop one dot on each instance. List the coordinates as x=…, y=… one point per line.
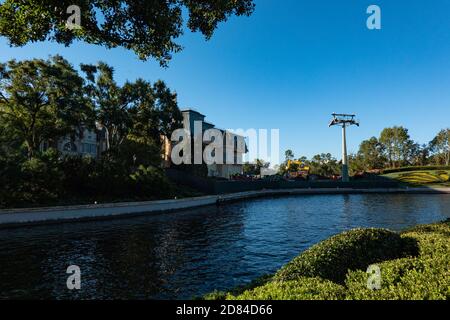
x=188, y=254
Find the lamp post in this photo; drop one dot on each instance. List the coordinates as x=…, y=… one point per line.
x=344, y=120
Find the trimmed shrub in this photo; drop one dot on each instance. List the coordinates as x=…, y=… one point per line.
x=213, y=296
x=423, y=177
x=442, y=228
x=416, y=168
x=426, y=277
x=300, y=289
x=352, y=250
x=404, y=279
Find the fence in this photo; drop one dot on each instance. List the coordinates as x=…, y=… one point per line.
x=212, y=186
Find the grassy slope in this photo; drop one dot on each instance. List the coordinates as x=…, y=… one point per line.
x=423, y=275
x=422, y=177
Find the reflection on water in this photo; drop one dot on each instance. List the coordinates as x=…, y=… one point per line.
x=187, y=254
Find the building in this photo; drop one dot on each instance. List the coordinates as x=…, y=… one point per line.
x=225, y=170
x=85, y=145
x=93, y=142
x=88, y=142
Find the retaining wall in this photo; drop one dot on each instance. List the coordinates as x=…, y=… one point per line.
x=21, y=217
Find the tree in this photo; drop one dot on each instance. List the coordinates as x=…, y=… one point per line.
x=289, y=155
x=111, y=102
x=249, y=168
x=255, y=168
x=137, y=111
x=261, y=164
x=325, y=165
x=154, y=113
x=397, y=145
x=10, y=144
x=41, y=100
x=419, y=154
x=149, y=28
x=165, y=106
x=440, y=145
x=370, y=154
x=357, y=164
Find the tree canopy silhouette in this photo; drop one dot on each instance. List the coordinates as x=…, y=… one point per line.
x=148, y=27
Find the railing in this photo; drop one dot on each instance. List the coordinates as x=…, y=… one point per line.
x=212, y=186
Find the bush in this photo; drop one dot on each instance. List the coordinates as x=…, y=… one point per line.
x=352, y=250
x=151, y=182
x=110, y=180
x=259, y=282
x=78, y=173
x=426, y=277
x=41, y=180
x=10, y=173
x=31, y=182
x=300, y=289
x=404, y=279
x=53, y=179
x=422, y=277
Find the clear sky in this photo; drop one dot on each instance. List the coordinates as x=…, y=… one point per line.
x=292, y=63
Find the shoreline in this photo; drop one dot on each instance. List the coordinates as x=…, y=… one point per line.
x=10, y=218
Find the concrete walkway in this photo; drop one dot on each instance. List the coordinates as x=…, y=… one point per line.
x=23, y=217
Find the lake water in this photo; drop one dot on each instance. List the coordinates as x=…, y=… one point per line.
x=188, y=254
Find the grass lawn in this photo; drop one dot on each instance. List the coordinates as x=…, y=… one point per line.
x=422, y=177
x=414, y=265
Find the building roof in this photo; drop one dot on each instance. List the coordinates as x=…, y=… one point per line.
x=192, y=111
x=209, y=123
x=206, y=122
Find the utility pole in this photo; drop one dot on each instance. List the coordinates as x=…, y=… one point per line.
x=344, y=120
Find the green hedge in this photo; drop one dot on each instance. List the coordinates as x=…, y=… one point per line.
x=352, y=250
x=301, y=289
x=423, y=275
x=426, y=277
x=416, y=168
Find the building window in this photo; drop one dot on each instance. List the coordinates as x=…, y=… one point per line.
x=70, y=147
x=89, y=148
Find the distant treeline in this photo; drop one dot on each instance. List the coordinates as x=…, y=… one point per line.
x=393, y=149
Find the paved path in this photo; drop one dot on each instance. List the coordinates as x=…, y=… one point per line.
x=21, y=217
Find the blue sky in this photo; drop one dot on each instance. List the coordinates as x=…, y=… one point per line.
x=292, y=63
